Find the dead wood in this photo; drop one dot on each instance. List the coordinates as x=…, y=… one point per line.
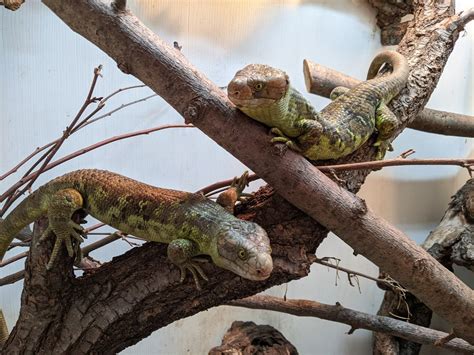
x=248, y=338
x=389, y=16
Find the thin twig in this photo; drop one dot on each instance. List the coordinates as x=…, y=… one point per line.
x=115, y=110
x=12, y=278
x=40, y=149
x=25, y=254
x=377, y=164
x=14, y=258
x=323, y=261
x=88, y=149
x=13, y=196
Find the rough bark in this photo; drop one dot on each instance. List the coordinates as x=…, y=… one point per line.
x=247, y=338
x=138, y=293
x=451, y=242
x=389, y=16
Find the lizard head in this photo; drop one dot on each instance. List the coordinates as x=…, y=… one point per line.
x=257, y=86
x=244, y=248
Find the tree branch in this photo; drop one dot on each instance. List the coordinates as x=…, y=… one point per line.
x=321, y=80
x=338, y=313
x=140, y=52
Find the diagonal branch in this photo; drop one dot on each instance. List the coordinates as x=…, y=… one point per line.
x=140, y=52
x=338, y=313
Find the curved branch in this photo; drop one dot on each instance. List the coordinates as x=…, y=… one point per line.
x=466, y=17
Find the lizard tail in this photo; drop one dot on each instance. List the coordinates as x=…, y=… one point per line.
x=25, y=213
x=28, y=211
x=396, y=80
x=3, y=330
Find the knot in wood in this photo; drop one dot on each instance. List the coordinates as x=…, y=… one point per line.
x=360, y=206
x=193, y=111
x=124, y=67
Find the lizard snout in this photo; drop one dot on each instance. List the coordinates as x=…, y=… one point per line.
x=264, y=266
x=239, y=90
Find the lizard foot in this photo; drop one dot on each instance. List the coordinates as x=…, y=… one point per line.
x=234, y=193
x=281, y=138
x=382, y=148
x=69, y=234
x=195, y=270
x=181, y=252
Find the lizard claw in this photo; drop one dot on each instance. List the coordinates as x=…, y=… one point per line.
x=195, y=270
x=70, y=234
x=281, y=138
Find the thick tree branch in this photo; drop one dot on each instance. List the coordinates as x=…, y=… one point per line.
x=356, y=319
x=321, y=80
x=389, y=15
x=140, y=52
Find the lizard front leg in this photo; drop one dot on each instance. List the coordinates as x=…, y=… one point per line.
x=338, y=91
x=386, y=123
x=61, y=207
x=282, y=138
x=229, y=197
x=182, y=252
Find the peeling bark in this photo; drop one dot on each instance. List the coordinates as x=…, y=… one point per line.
x=389, y=16
x=247, y=338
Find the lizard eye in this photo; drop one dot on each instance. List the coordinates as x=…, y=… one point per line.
x=242, y=254
x=258, y=86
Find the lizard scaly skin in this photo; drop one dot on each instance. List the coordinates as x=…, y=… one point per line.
x=264, y=93
x=190, y=223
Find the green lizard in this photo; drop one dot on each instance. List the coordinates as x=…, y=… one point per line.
x=264, y=93
x=190, y=223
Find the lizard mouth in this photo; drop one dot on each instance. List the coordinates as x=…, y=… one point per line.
x=256, y=268
x=252, y=103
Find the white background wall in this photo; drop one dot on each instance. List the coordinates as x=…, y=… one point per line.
x=46, y=71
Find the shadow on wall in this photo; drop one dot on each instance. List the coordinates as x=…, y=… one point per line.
x=236, y=21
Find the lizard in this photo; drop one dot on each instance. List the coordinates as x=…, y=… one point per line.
x=188, y=222
x=264, y=93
